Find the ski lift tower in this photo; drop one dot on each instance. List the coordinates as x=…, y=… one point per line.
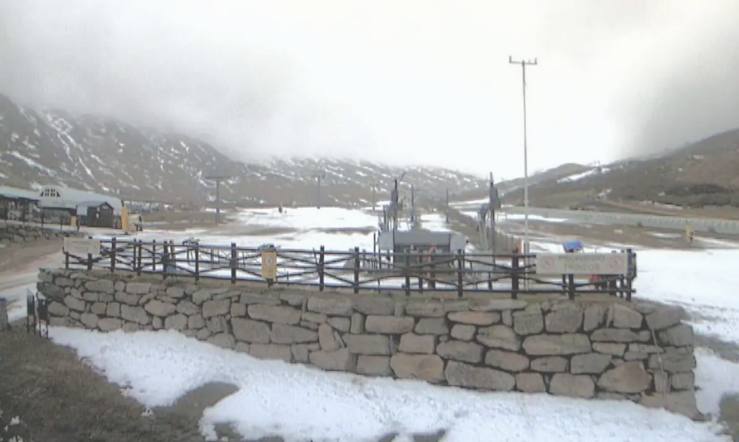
x=217, y=179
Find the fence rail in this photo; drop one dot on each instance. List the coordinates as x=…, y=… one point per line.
x=357, y=270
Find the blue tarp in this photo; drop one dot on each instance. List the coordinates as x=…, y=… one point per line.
x=572, y=246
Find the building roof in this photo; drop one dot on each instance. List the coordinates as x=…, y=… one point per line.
x=17, y=193
x=70, y=198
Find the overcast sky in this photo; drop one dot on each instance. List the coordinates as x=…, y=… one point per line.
x=403, y=82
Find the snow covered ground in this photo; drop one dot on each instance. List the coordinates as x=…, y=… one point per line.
x=301, y=403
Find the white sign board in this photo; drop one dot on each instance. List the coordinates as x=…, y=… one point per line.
x=82, y=246
x=581, y=263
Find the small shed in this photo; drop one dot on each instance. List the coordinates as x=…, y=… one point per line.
x=96, y=214
x=422, y=241
x=16, y=203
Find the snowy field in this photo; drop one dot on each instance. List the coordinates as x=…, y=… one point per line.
x=296, y=228
x=302, y=403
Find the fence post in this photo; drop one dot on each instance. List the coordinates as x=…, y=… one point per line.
x=138, y=264
x=153, y=255
x=356, y=269
x=460, y=270
x=320, y=268
x=197, y=262
x=233, y=263
x=514, y=277
x=66, y=260
x=89, y=258
x=112, y=255
x=407, y=275
x=571, y=285
x=165, y=259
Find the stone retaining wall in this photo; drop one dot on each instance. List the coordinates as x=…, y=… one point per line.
x=596, y=348
x=18, y=233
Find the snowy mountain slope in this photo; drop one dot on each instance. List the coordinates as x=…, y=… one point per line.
x=97, y=153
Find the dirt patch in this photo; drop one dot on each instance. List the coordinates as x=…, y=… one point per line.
x=16, y=256
x=56, y=397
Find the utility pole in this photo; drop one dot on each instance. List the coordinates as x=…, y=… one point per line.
x=318, y=177
x=217, y=179
x=413, y=207
x=492, y=205
x=523, y=64
x=447, y=205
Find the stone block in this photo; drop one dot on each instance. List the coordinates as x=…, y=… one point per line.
x=673, y=360
x=375, y=305
x=271, y=351
x=175, y=292
x=223, y=340
x=331, y=305
x=506, y=360
x=341, y=324
x=388, y=324
x=280, y=314
x=135, y=288
x=625, y=317
x=499, y=305
x=426, y=367
x=679, y=335
x=594, y=317
x=433, y=309
x=565, y=344
x=356, y=325
x=90, y=296
x=340, y=360
x=629, y=377
x=565, y=384
x=176, y=322
x=682, y=402
x=217, y=324
x=187, y=307
x=367, y=344
x=566, y=318
x=661, y=381
x=327, y=338
x=618, y=335
x=250, y=331
x=374, y=365
x=130, y=327
x=432, y=326
x=58, y=309
x=89, y=320
x=683, y=381
x=109, y=324
x=463, y=332
x=589, y=363
x=159, y=308
x=74, y=303
x=101, y=285
x=293, y=299
x=499, y=336
x=530, y=383
x=528, y=322
x=413, y=343
x=290, y=334
x=63, y=282
x=664, y=317
x=157, y=323
x=99, y=308
x=635, y=356
x=609, y=348
x=550, y=364
x=316, y=318
x=216, y=307
x=202, y=334
x=238, y=310
x=113, y=310
x=301, y=352
x=469, y=376
x=474, y=318
x=127, y=298
x=460, y=351
x=265, y=299
x=195, y=322
x=134, y=314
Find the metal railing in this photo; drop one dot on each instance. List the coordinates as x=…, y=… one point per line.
x=357, y=270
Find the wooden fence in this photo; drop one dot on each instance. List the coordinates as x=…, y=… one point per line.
x=357, y=270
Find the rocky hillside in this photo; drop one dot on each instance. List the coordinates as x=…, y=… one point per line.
x=40, y=147
x=700, y=174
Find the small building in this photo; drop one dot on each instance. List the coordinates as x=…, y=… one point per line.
x=421, y=241
x=96, y=214
x=16, y=203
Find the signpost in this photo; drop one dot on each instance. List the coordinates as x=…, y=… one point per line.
x=82, y=247
x=269, y=265
x=582, y=263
